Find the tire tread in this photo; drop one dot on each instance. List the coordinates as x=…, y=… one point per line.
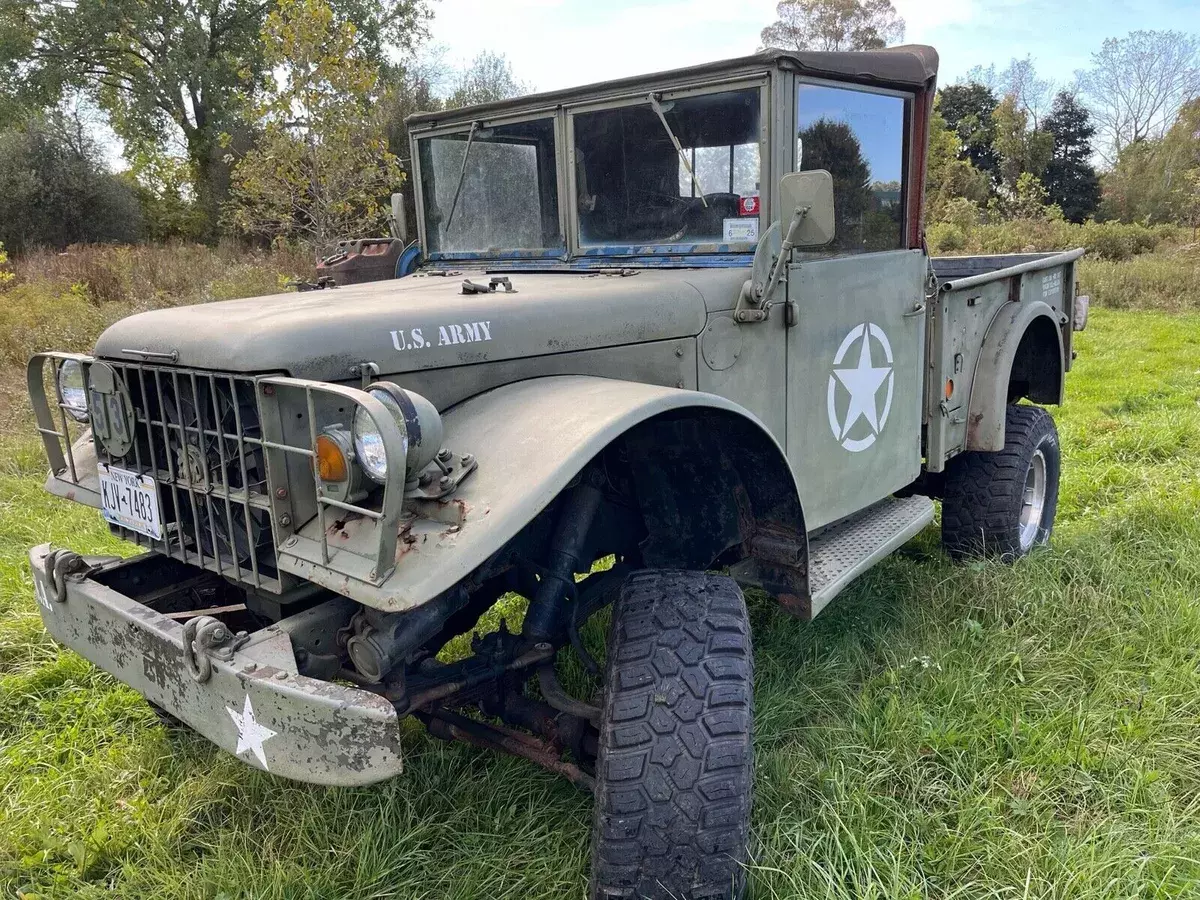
x=672, y=807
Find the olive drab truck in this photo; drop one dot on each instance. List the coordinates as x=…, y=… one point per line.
x=684, y=324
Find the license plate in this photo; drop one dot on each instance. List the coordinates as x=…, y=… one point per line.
x=131, y=501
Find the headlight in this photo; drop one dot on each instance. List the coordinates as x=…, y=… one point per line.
x=72, y=391
x=368, y=442
x=418, y=421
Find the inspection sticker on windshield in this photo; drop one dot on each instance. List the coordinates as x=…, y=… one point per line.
x=738, y=231
x=130, y=500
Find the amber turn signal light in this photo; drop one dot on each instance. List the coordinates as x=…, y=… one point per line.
x=331, y=460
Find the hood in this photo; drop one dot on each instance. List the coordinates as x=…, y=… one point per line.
x=422, y=321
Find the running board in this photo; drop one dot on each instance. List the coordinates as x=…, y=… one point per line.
x=842, y=552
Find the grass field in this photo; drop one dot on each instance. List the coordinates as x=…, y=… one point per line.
x=942, y=731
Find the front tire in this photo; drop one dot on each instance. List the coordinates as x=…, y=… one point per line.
x=674, y=773
x=1003, y=504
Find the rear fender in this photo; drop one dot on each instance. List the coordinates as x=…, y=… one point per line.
x=713, y=484
x=1023, y=343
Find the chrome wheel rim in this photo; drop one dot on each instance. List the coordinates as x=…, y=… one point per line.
x=1033, y=501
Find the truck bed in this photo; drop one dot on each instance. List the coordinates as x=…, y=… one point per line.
x=973, y=294
x=957, y=268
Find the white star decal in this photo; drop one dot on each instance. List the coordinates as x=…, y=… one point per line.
x=863, y=383
x=251, y=735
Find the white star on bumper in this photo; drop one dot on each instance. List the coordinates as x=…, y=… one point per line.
x=251, y=735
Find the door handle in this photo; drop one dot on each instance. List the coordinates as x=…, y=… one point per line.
x=915, y=311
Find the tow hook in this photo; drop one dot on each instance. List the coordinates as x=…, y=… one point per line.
x=206, y=639
x=62, y=563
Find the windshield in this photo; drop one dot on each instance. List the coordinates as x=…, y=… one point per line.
x=693, y=181
x=492, y=189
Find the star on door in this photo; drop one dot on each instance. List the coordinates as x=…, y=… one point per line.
x=863, y=382
x=251, y=735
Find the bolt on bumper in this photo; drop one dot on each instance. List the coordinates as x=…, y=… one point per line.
x=254, y=704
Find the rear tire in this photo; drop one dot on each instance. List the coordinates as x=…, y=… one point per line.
x=674, y=773
x=1003, y=504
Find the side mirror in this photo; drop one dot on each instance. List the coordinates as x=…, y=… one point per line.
x=812, y=191
x=398, y=220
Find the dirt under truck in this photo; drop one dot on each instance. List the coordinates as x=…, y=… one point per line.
x=682, y=322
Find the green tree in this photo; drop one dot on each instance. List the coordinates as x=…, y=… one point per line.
x=1018, y=148
x=1150, y=181
x=409, y=88
x=947, y=176
x=321, y=165
x=169, y=69
x=17, y=37
x=55, y=191
x=162, y=182
x=1070, y=178
x=489, y=77
x=1032, y=94
x=967, y=110
x=834, y=25
x=1136, y=188
x=1189, y=200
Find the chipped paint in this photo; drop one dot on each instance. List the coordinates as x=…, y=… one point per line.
x=308, y=730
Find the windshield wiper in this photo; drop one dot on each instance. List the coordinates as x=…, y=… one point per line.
x=662, y=117
x=462, y=175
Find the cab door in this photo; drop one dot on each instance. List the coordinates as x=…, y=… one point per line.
x=856, y=348
x=855, y=379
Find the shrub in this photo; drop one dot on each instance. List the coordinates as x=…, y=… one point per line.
x=41, y=316
x=943, y=237
x=962, y=212
x=1022, y=236
x=1103, y=240
x=1143, y=239
x=1107, y=240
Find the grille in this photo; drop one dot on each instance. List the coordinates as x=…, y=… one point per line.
x=199, y=435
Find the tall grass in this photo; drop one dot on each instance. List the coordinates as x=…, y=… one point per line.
x=942, y=731
x=64, y=300
x=1163, y=281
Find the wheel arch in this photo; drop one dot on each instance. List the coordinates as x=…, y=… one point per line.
x=1022, y=357
x=699, y=461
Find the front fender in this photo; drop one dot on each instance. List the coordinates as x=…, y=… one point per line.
x=989, y=387
x=530, y=438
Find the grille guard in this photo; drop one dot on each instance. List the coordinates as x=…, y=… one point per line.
x=292, y=494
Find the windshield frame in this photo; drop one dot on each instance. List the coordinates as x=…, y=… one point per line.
x=463, y=128
x=767, y=81
x=684, y=251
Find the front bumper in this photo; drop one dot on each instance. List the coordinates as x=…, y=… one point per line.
x=254, y=705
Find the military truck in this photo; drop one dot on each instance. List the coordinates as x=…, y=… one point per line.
x=672, y=336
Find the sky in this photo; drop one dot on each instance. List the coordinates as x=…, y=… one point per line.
x=560, y=43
